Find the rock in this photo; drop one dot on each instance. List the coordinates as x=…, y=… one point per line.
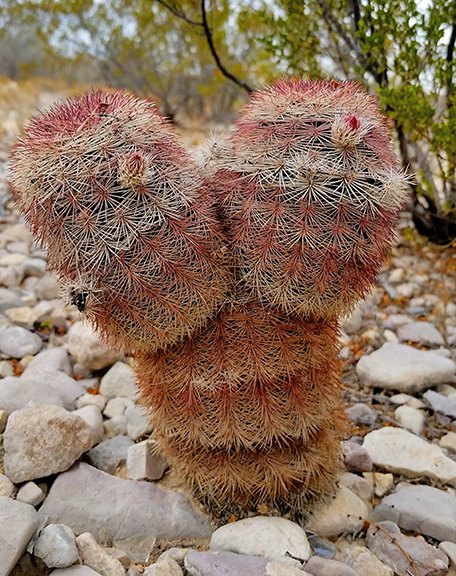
x=109, y=454
x=381, y=483
x=322, y=547
x=344, y=514
x=49, y=360
x=88, y=348
x=115, y=407
x=395, y=320
x=144, y=462
x=119, y=380
x=47, y=287
x=448, y=441
x=410, y=418
x=30, y=493
x=6, y=486
x=18, y=522
x=138, y=548
x=447, y=390
x=21, y=316
x=422, y=332
x=363, y=562
x=401, y=452
x=87, y=399
x=323, y=567
x=362, y=414
x=116, y=426
x=92, y=416
x=63, y=437
x=119, y=555
x=269, y=537
x=396, y=550
x=405, y=290
x=440, y=403
x=401, y=367
x=9, y=299
x=166, y=567
x=390, y=336
x=449, y=548
x=420, y=508
x=401, y=399
x=138, y=422
x=353, y=323
x=42, y=387
x=74, y=571
x=6, y=369
x=396, y=276
x=357, y=484
x=356, y=458
x=95, y=557
x=83, y=499
x=177, y=554
x=17, y=342
x=56, y=546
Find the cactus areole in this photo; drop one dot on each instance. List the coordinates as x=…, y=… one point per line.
x=224, y=279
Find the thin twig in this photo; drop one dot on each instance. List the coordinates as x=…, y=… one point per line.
x=179, y=13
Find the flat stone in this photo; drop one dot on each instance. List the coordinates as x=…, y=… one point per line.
x=448, y=441
x=363, y=562
x=56, y=546
x=109, y=454
x=6, y=486
x=318, y=566
x=422, y=332
x=144, y=461
x=440, y=403
x=30, y=493
x=17, y=342
x=269, y=537
x=401, y=367
x=88, y=348
x=410, y=418
x=119, y=380
x=362, y=414
x=381, y=483
x=167, y=567
x=18, y=522
x=344, y=514
x=95, y=557
x=108, y=507
x=401, y=452
x=422, y=509
x=386, y=541
x=63, y=437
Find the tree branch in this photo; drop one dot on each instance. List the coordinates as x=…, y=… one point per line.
x=179, y=13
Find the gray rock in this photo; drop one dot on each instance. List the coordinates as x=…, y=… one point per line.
x=18, y=522
x=357, y=484
x=49, y=360
x=92, y=416
x=6, y=486
x=362, y=414
x=56, y=546
x=356, y=458
x=138, y=421
x=422, y=509
x=363, y=562
x=17, y=342
x=410, y=418
x=401, y=452
x=344, y=514
x=108, y=455
x=30, y=493
x=176, y=554
x=89, y=500
x=75, y=571
x=269, y=537
x=167, y=567
x=422, y=332
x=119, y=380
x=88, y=348
x=401, y=367
x=440, y=403
x=318, y=566
x=9, y=299
x=95, y=557
x=63, y=437
x=405, y=554
x=144, y=461
x=138, y=548
x=322, y=547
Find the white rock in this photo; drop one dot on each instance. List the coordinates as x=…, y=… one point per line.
x=115, y=407
x=144, y=462
x=401, y=452
x=390, y=336
x=357, y=484
x=6, y=486
x=381, y=483
x=17, y=342
x=268, y=537
x=400, y=399
x=354, y=322
x=395, y=320
x=363, y=562
x=95, y=557
x=56, y=546
x=74, y=571
x=410, y=418
x=50, y=359
x=138, y=422
x=92, y=416
x=6, y=369
x=139, y=548
x=423, y=332
x=448, y=441
x=22, y=316
x=88, y=349
x=447, y=390
x=401, y=367
x=167, y=567
x=116, y=426
x=449, y=548
x=396, y=275
x=31, y=493
x=405, y=290
x=87, y=399
x=344, y=514
x=119, y=380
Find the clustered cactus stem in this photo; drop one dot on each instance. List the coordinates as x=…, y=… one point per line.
x=224, y=280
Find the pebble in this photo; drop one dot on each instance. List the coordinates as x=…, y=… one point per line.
x=440, y=403
x=447, y=390
x=115, y=407
x=31, y=493
x=401, y=452
x=83, y=499
x=357, y=484
x=405, y=290
x=362, y=414
x=420, y=508
x=390, y=336
x=422, y=332
x=56, y=546
x=138, y=421
x=119, y=380
x=344, y=514
x=363, y=562
x=395, y=549
x=167, y=567
x=401, y=399
x=144, y=462
x=9, y=299
x=321, y=547
x=410, y=418
x=50, y=359
x=116, y=426
x=18, y=522
x=88, y=349
x=6, y=369
x=109, y=454
x=449, y=548
x=448, y=441
x=356, y=458
x=92, y=416
x=353, y=323
x=381, y=483
x=401, y=367
x=6, y=486
x=393, y=321
x=138, y=548
x=318, y=566
x=87, y=399
x=17, y=342
x=95, y=557
x=269, y=537
x=63, y=437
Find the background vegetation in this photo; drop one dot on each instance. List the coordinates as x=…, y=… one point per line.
x=200, y=58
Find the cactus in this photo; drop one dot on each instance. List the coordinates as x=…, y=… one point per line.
x=226, y=281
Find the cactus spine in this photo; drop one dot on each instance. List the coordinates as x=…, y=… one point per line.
x=234, y=334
